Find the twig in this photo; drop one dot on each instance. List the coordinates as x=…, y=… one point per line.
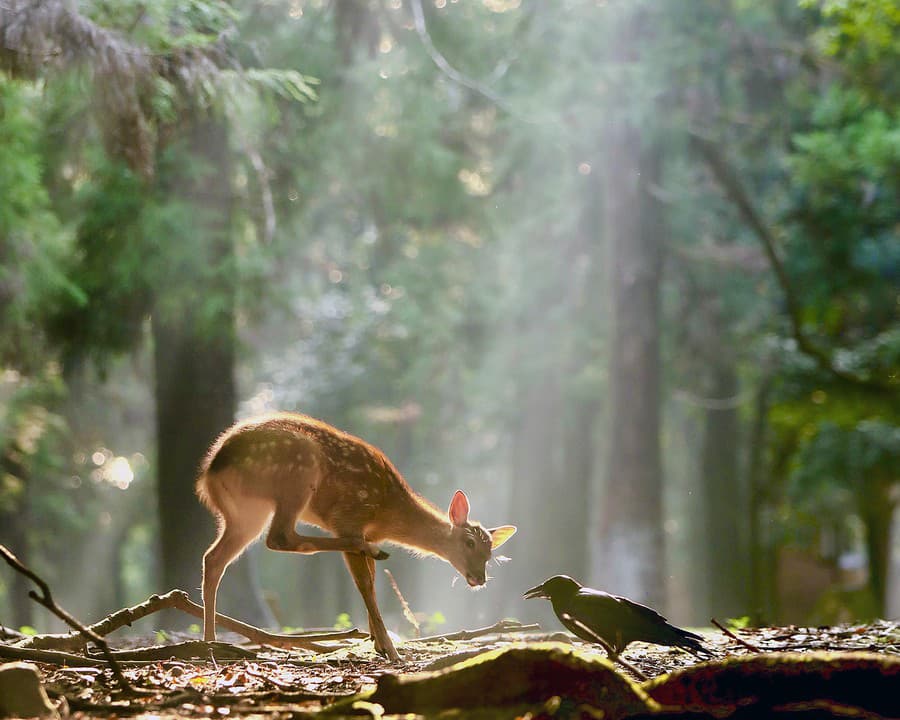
x=613, y=655
x=407, y=613
x=504, y=626
x=729, y=633
x=46, y=599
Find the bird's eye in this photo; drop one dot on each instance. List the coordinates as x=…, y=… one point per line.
x=470, y=543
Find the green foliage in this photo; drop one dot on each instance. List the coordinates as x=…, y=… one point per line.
x=110, y=269
x=168, y=25
x=32, y=243
x=864, y=35
x=31, y=436
x=833, y=464
x=846, y=188
x=434, y=622
x=343, y=622
x=837, y=605
x=288, y=84
x=738, y=623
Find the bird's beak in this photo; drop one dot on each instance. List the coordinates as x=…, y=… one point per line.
x=535, y=592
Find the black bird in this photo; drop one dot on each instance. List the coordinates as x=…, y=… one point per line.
x=614, y=621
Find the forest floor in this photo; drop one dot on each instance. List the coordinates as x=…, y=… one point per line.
x=274, y=683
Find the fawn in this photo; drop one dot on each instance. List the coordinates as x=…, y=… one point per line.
x=288, y=468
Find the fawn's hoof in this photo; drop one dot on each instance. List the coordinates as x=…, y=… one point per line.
x=390, y=653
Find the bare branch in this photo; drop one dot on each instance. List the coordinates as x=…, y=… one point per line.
x=731, y=184
x=740, y=641
x=451, y=72
x=46, y=599
x=504, y=626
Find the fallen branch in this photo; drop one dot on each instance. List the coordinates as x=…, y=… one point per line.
x=729, y=633
x=504, y=626
x=179, y=600
x=46, y=599
x=50, y=657
x=191, y=651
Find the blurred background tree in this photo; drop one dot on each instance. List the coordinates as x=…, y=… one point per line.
x=628, y=273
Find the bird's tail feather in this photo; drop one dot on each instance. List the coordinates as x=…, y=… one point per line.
x=693, y=643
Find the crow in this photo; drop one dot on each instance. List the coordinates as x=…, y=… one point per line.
x=611, y=620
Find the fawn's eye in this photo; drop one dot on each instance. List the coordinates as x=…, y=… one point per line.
x=470, y=543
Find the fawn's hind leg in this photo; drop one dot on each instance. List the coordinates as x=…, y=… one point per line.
x=283, y=536
x=236, y=532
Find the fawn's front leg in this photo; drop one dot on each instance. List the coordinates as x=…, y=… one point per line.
x=362, y=568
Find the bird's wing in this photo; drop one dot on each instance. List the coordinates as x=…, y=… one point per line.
x=648, y=613
x=661, y=630
x=599, y=611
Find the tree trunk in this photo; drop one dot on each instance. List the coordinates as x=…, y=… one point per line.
x=578, y=469
x=587, y=293
x=541, y=490
x=194, y=358
x=877, y=512
x=630, y=545
x=356, y=29
x=14, y=522
x=724, y=496
x=761, y=547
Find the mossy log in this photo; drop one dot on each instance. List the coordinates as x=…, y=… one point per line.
x=848, y=684
x=520, y=675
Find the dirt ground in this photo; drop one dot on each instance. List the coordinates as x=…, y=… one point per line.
x=273, y=683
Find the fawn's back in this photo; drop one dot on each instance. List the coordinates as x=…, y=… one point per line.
x=297, y=464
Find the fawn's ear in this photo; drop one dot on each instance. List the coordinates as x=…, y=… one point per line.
x=500, y=535
x=459, y=509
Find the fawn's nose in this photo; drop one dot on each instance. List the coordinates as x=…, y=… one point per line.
x=475, y=580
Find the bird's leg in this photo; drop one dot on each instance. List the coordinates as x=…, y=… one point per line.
x=611, y=651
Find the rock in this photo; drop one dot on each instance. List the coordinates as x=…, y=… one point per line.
x=21, y=692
